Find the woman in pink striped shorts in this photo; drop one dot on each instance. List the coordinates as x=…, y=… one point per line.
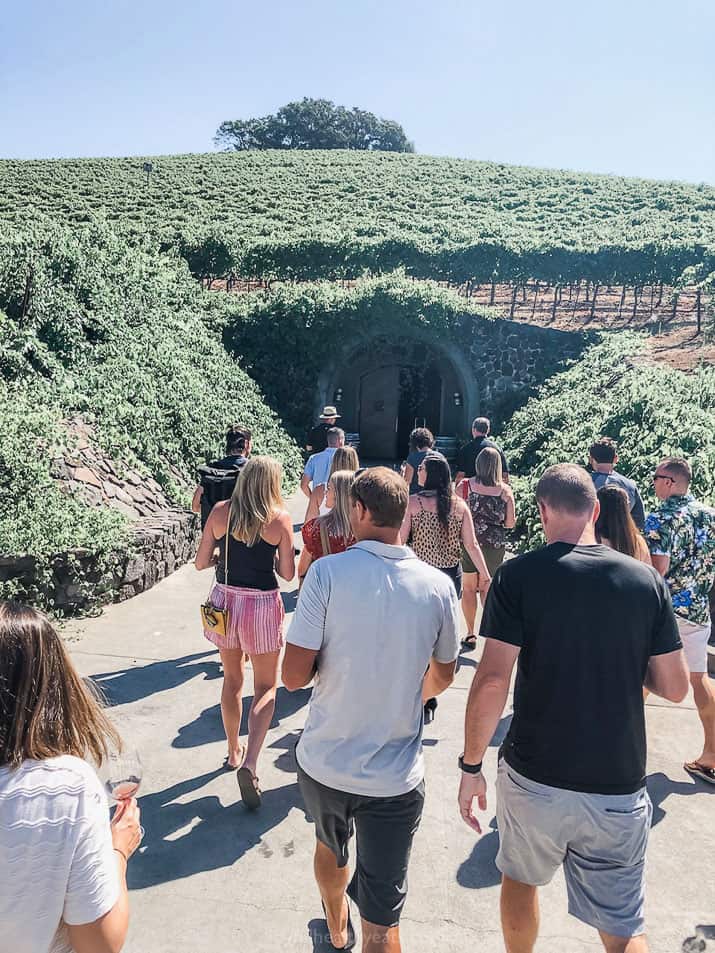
x=246, y=559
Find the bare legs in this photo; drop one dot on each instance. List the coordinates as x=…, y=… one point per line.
x=332, y=883
x=231, y=701
x=520, y=922
x=622, y=944
x=470, y=587
x=265, y=683
x=705, y=703
x=519, y=916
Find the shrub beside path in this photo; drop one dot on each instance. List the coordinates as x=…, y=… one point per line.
x=212, y=877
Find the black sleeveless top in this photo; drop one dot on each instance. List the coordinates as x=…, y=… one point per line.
x=249, y=567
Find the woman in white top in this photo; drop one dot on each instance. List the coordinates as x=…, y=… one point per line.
x=62, y=863
x=344, y=458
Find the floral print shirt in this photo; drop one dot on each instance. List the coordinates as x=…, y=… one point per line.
x=684, y=529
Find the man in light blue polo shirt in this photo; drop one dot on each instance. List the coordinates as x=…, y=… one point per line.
x=317, y=469
x=370, y=623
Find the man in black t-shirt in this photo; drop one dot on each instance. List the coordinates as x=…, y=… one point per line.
x=590, y=628
x=467, y=456
x=318, y=436
x=215, y=487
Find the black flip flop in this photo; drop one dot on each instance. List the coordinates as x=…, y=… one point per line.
x=250, y=792
x=350, y=929
x=469, y=644
x=700, y=771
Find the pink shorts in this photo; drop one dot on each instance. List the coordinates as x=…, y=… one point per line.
x=255, y=619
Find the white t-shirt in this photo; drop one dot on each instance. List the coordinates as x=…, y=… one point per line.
x=56, y=857
x=376, y=614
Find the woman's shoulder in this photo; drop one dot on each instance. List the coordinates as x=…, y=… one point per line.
x=64, y=774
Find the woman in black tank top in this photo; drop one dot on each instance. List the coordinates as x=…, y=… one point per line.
x=248, y=539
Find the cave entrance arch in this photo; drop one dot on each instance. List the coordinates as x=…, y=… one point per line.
x=384, y=387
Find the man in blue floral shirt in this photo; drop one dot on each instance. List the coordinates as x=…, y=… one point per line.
x=681, y=538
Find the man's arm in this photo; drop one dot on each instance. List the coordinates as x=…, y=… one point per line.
x=487, y=698
x=638, y=511
x=305, y=635
x=668, y=676
x=439, y=677
x=305, y=484
x=196, y=499
x=661, y=563
x=299, y=667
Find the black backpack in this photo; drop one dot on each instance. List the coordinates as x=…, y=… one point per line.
x=217, y=485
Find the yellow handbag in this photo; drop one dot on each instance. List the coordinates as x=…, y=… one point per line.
x=213, y=618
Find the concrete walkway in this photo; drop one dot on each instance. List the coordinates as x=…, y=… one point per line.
x=213, y=878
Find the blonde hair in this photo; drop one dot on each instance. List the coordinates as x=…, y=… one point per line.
x=256, y=499
x=488, y=469
x=337, y=521
x=344, y=458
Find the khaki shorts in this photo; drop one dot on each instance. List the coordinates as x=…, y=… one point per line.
x=599, y=839
x=694, y=637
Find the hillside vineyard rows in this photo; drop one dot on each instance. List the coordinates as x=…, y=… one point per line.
x=308, y=215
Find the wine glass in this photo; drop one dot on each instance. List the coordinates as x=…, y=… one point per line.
x=124, y=775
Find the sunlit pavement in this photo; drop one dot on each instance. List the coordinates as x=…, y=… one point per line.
x=213, y=877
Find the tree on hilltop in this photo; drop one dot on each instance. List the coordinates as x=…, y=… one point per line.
x=313, y=124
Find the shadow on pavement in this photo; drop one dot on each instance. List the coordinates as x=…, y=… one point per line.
x=660, y=786
x=479, y=869
x=183, y=839
x=208, y=727
x=126, y=685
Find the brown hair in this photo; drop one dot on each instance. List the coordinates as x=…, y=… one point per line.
x=237, y=436
x=46, y=709
x=615, y=522
x=344, y=458
x=481, y=425
x=488, y=468
x=679, y=468
x=567, y=488
x=603, y=450
x=384, y=494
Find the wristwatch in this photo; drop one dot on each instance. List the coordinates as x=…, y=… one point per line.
x=469, y=768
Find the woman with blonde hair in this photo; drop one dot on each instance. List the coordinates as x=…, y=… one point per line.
x=63, y=864
x=491, y=503
x=248, y=539
x=331, y=533
x=344, y=458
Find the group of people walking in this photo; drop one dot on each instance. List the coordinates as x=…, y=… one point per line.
x=614, y=595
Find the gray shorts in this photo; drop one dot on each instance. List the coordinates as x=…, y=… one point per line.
x=600, y=839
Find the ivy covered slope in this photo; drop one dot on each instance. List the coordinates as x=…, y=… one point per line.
x=301, y=329
x=92, y=326
x=652, y=411
x=312, y=214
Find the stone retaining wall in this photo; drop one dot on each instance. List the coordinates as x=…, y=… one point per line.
x=76, y=581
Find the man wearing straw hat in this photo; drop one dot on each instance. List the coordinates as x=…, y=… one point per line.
x=318, y=436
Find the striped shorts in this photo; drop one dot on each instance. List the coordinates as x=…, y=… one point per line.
x=255, y=619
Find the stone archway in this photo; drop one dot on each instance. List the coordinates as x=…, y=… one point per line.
x=386, y=384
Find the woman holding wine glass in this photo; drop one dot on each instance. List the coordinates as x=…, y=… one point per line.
x=62, y=863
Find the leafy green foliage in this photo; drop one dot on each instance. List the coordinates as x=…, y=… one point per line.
x=341, y=214
x=652, y=411
x=314, y=124
x=115, y=333
x=284, y=339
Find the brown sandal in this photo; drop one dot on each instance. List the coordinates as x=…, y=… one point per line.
x=700, y=771
x=250, y=792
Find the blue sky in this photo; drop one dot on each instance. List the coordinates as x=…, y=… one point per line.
x=625, y=87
